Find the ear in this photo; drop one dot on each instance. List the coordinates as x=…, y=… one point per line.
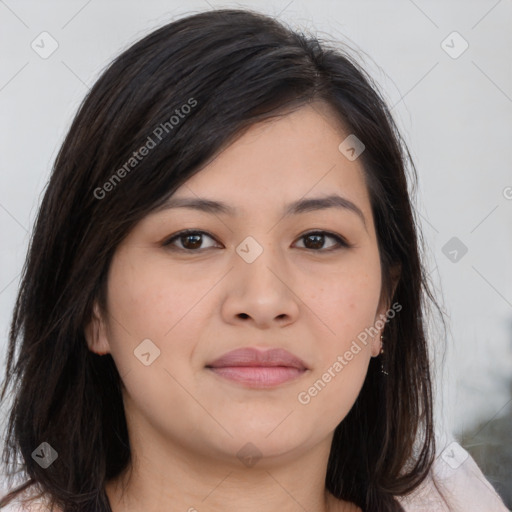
x=96, y=333
x=384, y=307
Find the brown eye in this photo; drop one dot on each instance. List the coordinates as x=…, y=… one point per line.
x=315, y=241
x=190, y=240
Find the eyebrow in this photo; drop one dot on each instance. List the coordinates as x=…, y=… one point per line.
x=295, y=208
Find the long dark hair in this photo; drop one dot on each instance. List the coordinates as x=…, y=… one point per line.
x=231, y=68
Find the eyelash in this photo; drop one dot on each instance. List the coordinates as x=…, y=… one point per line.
x=342, y=243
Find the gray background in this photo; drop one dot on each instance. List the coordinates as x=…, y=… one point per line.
x=454, y=114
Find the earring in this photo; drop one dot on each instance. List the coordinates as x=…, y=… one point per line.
x=382, y=368
x=100, y=353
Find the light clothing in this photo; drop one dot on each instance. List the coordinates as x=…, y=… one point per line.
x=461, y=482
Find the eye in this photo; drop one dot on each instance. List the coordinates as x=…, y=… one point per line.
x=190, y=240
x=315, y=241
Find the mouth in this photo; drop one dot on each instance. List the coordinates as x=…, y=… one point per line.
x=258, y=369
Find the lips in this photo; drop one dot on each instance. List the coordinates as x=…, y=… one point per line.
x=253, y=357
x=254, y=368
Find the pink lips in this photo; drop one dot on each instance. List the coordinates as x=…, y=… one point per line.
x=258, y=368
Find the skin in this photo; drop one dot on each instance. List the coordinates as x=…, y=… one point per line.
x=186, y=424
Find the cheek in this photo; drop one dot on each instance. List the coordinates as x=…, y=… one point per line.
x=147, y=297
x=346, y=303
x=150, y=299
x=347, y=306
x=143, y=305
x=347, y=300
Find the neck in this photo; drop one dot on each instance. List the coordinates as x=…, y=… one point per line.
x=208, y=485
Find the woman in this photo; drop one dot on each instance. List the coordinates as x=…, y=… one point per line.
x=223, y=302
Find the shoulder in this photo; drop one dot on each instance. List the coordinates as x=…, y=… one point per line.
x=455, y=484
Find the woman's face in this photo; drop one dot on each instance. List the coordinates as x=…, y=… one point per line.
x=258, y=275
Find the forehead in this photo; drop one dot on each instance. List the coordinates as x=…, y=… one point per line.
x=281, y=160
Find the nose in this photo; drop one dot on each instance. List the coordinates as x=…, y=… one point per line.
x=261, y=292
